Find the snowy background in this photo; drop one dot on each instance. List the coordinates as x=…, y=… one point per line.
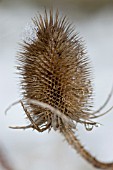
x=48, y=151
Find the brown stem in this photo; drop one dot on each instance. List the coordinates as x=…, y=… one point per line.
x=3, y=161
x=75, y=143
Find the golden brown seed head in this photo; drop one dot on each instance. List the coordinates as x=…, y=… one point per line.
x=55, y=70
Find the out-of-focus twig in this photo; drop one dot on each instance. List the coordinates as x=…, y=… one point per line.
x=4, y=162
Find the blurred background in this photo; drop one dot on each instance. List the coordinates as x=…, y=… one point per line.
x=23, y=150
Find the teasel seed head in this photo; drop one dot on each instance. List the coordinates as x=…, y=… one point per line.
x=55, y=69
x=56, y=82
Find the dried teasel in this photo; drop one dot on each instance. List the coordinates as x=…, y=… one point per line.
x=56, y=82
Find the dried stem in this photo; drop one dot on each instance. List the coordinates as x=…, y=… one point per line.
x=75, y=143
x=4, y=162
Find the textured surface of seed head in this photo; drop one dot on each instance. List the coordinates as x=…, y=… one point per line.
x=55, y=70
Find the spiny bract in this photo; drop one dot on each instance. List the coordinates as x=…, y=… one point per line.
x=55, y=70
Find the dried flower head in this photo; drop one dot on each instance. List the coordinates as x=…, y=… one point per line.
x=57, y=82
x=55, y=70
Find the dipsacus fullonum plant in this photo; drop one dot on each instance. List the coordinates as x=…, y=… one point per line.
x=56, y=82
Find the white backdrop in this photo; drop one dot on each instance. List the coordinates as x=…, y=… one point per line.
x=29, y=149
